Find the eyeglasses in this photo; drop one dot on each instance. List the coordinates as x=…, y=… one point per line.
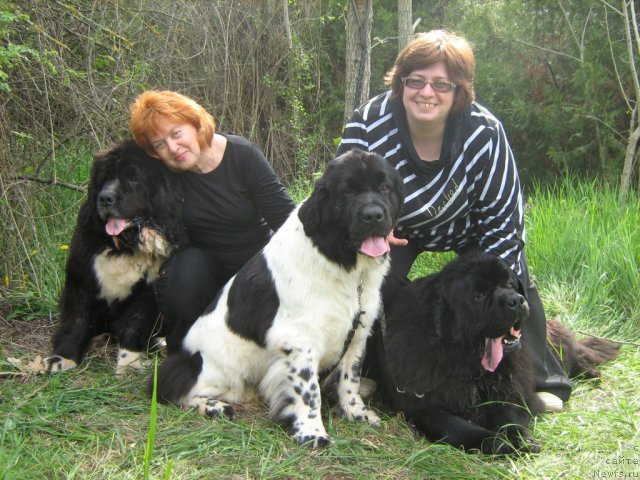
x=440, y=86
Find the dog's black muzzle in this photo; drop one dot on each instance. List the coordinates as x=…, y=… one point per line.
x=107, y=203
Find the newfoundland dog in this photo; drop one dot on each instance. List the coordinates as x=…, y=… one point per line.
x=126, y=228
x=302, y=307
x=449, y=356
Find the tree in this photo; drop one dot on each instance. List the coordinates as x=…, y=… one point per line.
x=630, y=93
x=358, y=54
x=405, y=24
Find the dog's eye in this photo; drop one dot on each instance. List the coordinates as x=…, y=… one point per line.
x=477, y=296
x=385, y=187
x=134, y=177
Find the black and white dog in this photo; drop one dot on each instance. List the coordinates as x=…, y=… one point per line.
x=302, y=307
x=127, y=227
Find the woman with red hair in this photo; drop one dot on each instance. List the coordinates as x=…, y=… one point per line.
x=233, y=201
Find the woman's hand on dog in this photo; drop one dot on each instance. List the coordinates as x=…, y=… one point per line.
x=398, y=242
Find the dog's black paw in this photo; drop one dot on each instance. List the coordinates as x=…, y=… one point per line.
x=498, y=445
x=510, y=441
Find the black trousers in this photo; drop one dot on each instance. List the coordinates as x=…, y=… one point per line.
x=550, y=376
x=188, y=283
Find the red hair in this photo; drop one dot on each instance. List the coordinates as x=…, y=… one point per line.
x=153, y=108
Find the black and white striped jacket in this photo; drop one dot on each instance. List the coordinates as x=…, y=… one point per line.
x=470, y=197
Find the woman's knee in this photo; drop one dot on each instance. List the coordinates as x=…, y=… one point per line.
x=187, y=282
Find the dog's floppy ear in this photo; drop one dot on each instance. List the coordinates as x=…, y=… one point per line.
x=448, y=320
x=168, y=200
x=310, y=213
x=88, y=215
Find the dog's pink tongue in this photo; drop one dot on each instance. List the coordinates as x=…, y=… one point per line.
x=375, y=246
x=115, y=226
x=492, y=353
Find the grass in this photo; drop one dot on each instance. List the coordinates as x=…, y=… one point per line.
x=87, y=424
x=36, y=223
x=90, y=425
x=584, y=250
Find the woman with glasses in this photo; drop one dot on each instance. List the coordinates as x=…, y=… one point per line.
x=462, y=187
x=233, y=201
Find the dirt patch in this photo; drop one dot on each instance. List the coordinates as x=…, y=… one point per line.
x=23, y=341
x=19, y=338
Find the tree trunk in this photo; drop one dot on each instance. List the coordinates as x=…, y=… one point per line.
x=358, y=57
x=632, y=38
x=629, y=157
x=405, y=23
x=287, y=24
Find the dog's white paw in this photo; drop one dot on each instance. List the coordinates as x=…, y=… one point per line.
x=56, y=364
x=213, y=408
x=358, y=411
x=129, y=361
x=307, y=428
x=312, y=440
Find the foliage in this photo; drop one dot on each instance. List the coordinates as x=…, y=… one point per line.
x=100, y=55
x=10, y=54
x=68, y=71
x=585, y=248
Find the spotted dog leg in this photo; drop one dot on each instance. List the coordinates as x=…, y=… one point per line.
x=347, y=378
x=292, y=390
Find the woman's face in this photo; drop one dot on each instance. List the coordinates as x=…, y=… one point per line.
x=176, y=144
x=425, y=105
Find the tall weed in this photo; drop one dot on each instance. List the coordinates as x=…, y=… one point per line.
x=584, y=252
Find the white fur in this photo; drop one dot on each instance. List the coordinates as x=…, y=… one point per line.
x=318, y=302
x=56, y=363
x=117, y=274
x=130, y=361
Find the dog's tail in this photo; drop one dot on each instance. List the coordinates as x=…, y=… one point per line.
x=580, y=357
x=176, y=376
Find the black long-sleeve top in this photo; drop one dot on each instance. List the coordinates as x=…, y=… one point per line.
x=232, y=210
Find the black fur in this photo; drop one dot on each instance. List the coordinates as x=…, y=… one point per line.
x=177, y=374
x=128, y=184
x=251, y=319
x=429, y=357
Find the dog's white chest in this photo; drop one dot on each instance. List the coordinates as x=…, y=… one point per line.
x=117, y=274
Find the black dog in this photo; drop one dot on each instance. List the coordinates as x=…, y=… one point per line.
x=128, y=225
x=450, y=357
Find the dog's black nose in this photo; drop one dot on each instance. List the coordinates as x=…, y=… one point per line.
x=514, y=301
x=107, y=198
x=109, y=194
x=372, y=214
